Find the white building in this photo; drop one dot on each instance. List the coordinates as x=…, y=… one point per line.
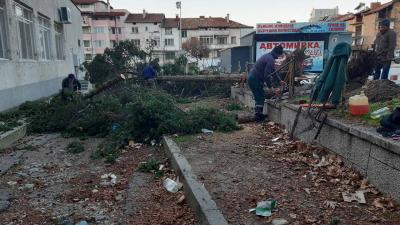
x=323, y=14
x=154, y=30
x=216, y=32
x=38, y=48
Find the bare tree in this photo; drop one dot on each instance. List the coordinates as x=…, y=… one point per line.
x=196, y=49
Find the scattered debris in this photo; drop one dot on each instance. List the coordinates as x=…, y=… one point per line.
x=82, y=223
x=358, y=196
x=108, y=179
x=384, y=203
x=172, y=186
x=265, y=208
x=292, y=215
x=207, y=131
x=275, y=139
x=181, y=200
x=307, y=190
x=331, y=204
x=323, y=162
x=279, y=222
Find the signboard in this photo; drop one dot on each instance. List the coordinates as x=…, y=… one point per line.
x=293, y=28
x=314, y=49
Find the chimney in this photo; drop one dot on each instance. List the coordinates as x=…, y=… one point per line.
x=202, y=17
x=144, y=14
x=227, y=18
x=375, y=5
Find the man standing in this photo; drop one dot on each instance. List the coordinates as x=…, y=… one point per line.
x=69, y=86
x=384, y=46
x=264, y=72
x=149, y=75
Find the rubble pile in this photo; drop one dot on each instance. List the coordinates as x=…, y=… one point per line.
x=376, y=90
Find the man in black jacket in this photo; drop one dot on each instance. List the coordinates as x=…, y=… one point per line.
x=384, y=46
x=69, y=86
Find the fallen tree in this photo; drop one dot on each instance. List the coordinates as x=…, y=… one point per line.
x=203, y=78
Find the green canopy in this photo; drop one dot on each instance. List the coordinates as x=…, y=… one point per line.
x=332, y=80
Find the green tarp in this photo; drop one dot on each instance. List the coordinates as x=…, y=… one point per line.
x=332, y=80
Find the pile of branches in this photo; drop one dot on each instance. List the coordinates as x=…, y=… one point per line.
x=295, y=58
x=130, y=113
x=361, y=65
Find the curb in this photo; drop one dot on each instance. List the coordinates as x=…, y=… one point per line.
x=198, y=197
x=10, y=137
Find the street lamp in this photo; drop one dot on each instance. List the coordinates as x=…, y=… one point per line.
x=179, y=6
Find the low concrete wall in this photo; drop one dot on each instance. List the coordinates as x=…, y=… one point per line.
x=9, y=138
x=364, y=149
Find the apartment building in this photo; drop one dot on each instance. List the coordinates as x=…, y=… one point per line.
x=365, y=24
x=40, y=44
x=102, y=26
x=216, y=32
x=152, y=31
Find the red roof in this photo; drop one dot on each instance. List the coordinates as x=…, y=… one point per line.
x=384, y=6
x=210, y=22
x=171, y=23
x=85, y=2
x=148, y=18
x=112, y=13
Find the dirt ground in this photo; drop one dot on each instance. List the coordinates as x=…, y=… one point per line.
x=259, y=163
x=51, y=186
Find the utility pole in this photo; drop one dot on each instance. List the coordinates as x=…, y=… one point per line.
x=179, y=6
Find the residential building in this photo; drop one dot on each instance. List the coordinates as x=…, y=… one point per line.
x=102, y=26
x=154, y=32
x=323, y=14
x=216, y=32
x=365, y=24
x=38, y=48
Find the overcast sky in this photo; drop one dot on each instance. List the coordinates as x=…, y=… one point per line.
x=248, y=12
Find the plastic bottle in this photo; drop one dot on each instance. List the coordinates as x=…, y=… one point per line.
x=380, y=112
x=359, y=105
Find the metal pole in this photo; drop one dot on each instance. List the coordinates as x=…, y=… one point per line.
x=180, y=28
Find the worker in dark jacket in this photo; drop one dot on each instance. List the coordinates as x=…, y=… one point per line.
x=149, y=75
x=69, y=86
x=264, y=72
x=384, y=46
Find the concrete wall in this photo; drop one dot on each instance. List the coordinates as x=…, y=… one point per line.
x=361, y=147
x=24, y=80
x=369, y=29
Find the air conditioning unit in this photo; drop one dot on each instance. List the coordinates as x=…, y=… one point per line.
x=65, y=15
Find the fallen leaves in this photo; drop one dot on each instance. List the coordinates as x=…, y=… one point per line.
x=384, y=203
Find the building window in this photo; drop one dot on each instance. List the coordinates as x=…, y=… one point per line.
x=170, y=55
x=136, y=42
x=88, y=57
x=86, y=30
x=155, y=24
x=113, y=43
x=233, y=40
x=146, y=29
x=84, y=6
x=3, y=30
x=87, y=44
x=116, y=30
x=44, y=38
x=207, y=40
x=99, y=44
x=168, y=31
x=169, y=42
x=184, y=33
x=135, y=30
x=25, y=28
x=358, y=30
x=59, y=36
x=222, y=40
x=99, y=30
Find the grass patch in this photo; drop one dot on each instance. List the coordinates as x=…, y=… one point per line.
x=149, y=166
x=183, y=100
x=75, y=147
x=233, y=107
x=183, y=139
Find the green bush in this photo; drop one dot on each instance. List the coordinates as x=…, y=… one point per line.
x=75, y=147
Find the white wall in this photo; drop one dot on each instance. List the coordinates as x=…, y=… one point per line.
x=24, y=80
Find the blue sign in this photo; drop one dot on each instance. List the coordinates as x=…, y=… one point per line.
x=293, y=28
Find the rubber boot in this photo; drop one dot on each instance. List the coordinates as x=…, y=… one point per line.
x=260, y=117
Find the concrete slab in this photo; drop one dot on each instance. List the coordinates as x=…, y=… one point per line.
x=198, y=197
x=10, y=137
x=385, y=177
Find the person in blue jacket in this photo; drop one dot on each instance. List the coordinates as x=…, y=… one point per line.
x=262, y=73
x=149, y=75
